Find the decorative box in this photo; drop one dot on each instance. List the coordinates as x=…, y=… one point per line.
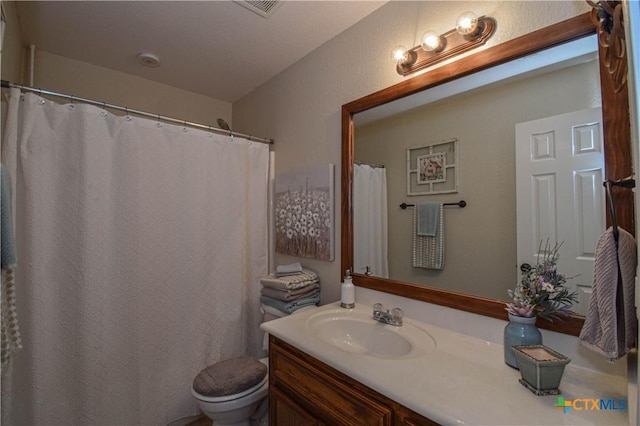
x=541, y=368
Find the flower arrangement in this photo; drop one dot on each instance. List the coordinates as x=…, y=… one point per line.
x=541, y=291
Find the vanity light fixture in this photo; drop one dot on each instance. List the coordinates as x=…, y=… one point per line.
x=467, y=24
x=433, y=42
x=471, y=31
x=401, y=55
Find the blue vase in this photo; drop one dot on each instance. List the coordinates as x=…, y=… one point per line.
x=519, y=331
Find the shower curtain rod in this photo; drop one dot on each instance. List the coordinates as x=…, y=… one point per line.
x=8, y=84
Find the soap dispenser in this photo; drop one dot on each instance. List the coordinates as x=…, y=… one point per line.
x=347, y=300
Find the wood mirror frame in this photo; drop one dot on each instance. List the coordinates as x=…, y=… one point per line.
x=617, y=147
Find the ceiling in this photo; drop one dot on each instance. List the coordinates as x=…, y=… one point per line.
x=216, y=48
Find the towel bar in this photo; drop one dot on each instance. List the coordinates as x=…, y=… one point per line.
x=461, y=204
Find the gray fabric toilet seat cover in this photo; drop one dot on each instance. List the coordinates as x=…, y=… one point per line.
x=229, y=377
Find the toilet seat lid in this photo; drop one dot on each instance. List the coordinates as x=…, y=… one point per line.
x=230, y=397
x=230, y=377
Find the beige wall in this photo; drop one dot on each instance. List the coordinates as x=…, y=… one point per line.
x=81, y=79
x=480, y=240
x=301, y=107
x=64, y=75
x=12, y=52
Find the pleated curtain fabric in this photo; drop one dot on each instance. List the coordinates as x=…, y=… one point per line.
x=370, y=223
x=141, y=245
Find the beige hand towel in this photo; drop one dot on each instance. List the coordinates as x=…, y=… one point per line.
x=604, y=332
x=428, y=251
x=289, y=295
x=290, y=282
x=11, y=340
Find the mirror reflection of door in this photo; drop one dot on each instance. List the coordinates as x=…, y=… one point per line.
x=560, y=197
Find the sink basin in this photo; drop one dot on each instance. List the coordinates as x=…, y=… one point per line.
x=358, y=333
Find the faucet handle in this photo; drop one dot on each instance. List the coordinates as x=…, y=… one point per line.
x=378, y=307
x=396, y=315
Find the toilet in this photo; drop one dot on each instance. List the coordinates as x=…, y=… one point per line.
x=238, y=396
x=234, y=392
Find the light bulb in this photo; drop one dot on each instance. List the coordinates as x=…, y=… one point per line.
x=467, y=23
x=399, y=54
x=431, y=42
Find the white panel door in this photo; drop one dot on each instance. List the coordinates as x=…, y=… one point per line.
x=560, y=197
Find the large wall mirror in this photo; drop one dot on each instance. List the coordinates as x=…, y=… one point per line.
x=469, y=111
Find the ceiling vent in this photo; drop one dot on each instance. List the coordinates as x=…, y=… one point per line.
x=263, y=8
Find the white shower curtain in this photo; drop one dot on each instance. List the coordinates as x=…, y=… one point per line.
x=140, y=247
x=370, y=238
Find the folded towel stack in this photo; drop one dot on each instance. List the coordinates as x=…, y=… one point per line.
x=291, y=288
x=291, y=269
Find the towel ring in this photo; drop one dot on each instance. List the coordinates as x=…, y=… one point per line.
x=612, y=211
x=627, y=182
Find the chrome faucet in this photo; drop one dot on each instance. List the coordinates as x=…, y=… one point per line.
x=391, y=317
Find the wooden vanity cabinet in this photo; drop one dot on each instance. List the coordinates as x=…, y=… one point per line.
x=305, y=391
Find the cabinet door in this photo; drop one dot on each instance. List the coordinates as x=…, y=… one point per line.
x=405, y=417
x=323, y=392
x=283, y=411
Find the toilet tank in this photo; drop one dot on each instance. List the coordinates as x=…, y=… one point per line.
x=269, y=313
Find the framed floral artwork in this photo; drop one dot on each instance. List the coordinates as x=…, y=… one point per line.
x=303, y=213
x=432, y=168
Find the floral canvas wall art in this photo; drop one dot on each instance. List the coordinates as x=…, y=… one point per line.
x=304, y=212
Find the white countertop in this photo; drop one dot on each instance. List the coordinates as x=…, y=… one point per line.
x=463, y=381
